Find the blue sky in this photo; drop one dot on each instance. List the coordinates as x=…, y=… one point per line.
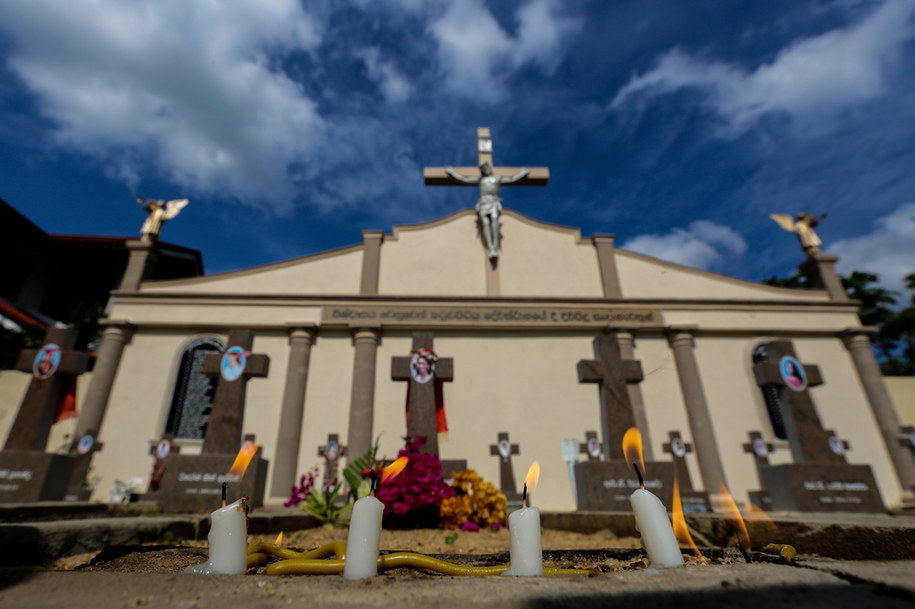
x=678, y=126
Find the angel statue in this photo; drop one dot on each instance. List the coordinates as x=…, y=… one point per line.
x=159, y=211
x=802, y=225
x=489, y=205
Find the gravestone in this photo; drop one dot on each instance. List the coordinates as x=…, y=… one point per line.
x=693, y=501
x=760, y=449
x=425, y=372
x=591, y=447
x=820, y=479
x=79, y=488
x=504, y=449
x=161, y=451
x=331, y=450
x=27, y=472
x=608, y=483
x=193, y=483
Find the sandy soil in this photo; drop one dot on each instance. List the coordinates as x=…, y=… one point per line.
x=601, y=551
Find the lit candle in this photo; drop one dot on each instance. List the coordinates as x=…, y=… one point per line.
x=524, y=530
x=650, y=514
x=365, y=529
x=228, y=541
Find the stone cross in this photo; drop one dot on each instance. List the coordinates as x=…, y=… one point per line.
x=422, y=378
x=235, y=366
x=677, y=448
x=837, y=444
x=86, y=446
x=505, y=449
x=161, y=451
x=760, y=449
x=436, y=176
x=591, y=446
x=612, y=373
x=331, y=450
x=784, y=372
x=52, y=368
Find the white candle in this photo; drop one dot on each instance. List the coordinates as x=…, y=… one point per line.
x=526, y=554
x=364, y=537
x=228, y=541
x=657, y=532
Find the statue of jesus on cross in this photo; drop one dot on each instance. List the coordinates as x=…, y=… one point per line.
x=489, y=205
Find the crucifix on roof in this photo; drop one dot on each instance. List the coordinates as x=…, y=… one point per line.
x=489, y=179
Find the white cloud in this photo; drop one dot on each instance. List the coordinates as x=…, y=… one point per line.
x=476, y=54
x=394, y=85
x=888, y=251
x=703, y=245
x=190, y=85
x=812, y=81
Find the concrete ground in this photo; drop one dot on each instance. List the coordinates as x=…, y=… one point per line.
x=815, y=584
x=852, y=570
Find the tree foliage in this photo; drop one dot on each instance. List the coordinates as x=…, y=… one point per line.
x=894, y=340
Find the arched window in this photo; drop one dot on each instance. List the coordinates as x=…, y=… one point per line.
x=771, y=395
x=192, y=400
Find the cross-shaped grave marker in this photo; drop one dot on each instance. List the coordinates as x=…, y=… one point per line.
x=612, y=373
x=591, y=446
x=809, y=441
x=907, y=437
x=691, y=499
x=331, y=450
x=504, y=449
x=760, y=449
x=820, y=479
x=234, y=366
x=52, y=368
x=423, y=370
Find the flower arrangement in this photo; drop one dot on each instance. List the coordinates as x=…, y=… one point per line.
x=418, y=488
x=301, y=491
x=476, y=503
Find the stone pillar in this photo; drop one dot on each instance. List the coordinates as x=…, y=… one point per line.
x=700, y=420
x=820, y=271
x=362, y=398
x=289, y=435
x=143, y=258
x=117, y=333
x=609, y=276
x=858, y=344
x=371, y=261
x=624, y=337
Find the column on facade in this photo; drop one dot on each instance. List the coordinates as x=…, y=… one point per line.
x=292, y=411
x=116, y=335
x=857, y=342
x=700, y=419
x=362, y=397
x=625, y=340
x=140, y=264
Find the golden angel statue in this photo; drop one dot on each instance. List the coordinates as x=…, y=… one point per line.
x=802, y=225
x=159, y=211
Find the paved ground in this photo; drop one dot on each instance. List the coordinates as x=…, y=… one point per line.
x=826, y=584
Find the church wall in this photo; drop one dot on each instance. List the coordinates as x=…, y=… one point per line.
x=138, y=407
x=216, y=313
x=902, y=392
x=546, y=263
x=755, y=319
x=336, y=272
x=445, y=259
x=663, y=400
x=644, y=277
x=327, y=398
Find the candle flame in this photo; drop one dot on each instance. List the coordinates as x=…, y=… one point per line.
x=681, y=530
x=533, y=477
x=392, y=470
x=632, y=447
x=279, y=539
x=243, y=458
x=732, y=514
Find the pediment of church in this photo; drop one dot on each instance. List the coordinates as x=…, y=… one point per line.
x=445, y=259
